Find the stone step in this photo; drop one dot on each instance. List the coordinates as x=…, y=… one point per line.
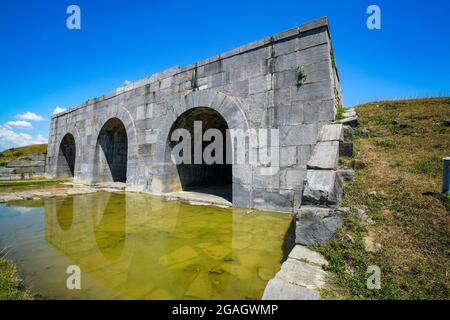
x=302, y=274
x=304, y=254
x=323, y=187
x=325, y=156
x=278, y=289
x=317, y=225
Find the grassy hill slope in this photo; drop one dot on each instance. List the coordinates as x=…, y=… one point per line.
x=400, y=190
x=22, y=152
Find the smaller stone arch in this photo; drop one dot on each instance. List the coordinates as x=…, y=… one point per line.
x=67, y=153
x=115, y=125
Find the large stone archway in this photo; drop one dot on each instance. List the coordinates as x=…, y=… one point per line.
x=111, y=153
x=166, y=175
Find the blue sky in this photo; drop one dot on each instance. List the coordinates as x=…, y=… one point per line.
x=44, y=65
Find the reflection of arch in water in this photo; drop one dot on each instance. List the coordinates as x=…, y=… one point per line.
x=64, y=213
x=110, y=225
x=87, y=237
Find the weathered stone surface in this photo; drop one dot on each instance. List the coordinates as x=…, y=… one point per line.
x=346, y=149
x=346, y=175
x=323, y=187
x=317, y=225
x=325, y=156
x=351, y=121
x=370, y=245
x=112, y=185
x=332, y=132
x=78, y=191
x=302, y=274
x=365, y=219
x=304, y=254
x=349, y=113
x=278, y=289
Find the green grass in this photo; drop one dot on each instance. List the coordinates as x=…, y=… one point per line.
x=22, y=153
x=400, y=190
x=339, y=113
x=15, y=185
x=10, y=283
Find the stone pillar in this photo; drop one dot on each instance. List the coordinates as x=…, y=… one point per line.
x=446, y=176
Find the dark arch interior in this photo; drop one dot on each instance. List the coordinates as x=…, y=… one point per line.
x=66, y=157
x=112, y=152
x=213, y=178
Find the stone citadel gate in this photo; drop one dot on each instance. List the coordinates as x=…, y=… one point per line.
x=288, y=82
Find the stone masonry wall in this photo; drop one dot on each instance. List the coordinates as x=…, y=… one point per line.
x=252, y=87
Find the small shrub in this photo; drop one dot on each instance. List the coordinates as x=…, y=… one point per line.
x=301, y=76
x=17, y=154
x=340, y=113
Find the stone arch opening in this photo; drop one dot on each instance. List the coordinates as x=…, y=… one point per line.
x=200, y=174
x=66, y=157
x=111, y=152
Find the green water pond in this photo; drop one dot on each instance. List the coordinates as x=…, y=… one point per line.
x=136, y=246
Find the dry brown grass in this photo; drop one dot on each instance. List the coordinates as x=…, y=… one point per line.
x=400, y=188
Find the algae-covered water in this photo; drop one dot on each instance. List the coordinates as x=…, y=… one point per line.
x=135, y=246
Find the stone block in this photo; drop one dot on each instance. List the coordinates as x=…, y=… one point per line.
x=288, y=156
x=271, y=200
x=292, y=179
x=315, y=225
x=302, y=274
x=332, y=132
x=323, y=187
x=289, y=115
x=278, y=289
x=346, y=149
x=325, y=156
x=242, y=195
x=298, y=135
x=304, y=254
x=346, y=175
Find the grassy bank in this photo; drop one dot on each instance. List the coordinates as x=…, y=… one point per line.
x=22, y=153
x=7, y=186
x=10, y=283
x=400, y=189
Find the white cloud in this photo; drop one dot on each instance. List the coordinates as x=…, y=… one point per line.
x=126, y=82
x=11, y=139
x=59, y=110
x=30, y=116
x=19, y=124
